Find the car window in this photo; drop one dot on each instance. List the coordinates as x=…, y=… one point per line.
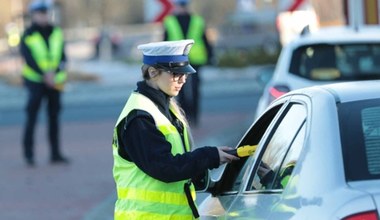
x=326, y=62
x=360, y=138
x=281, y=150
x=371, y=131
x=252, y=137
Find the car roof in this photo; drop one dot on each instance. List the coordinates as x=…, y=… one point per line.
x=340, y=34
x=345, y=91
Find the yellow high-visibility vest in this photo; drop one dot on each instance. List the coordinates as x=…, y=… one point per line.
x=48, y=59
x=198, y=53
x=141, y=196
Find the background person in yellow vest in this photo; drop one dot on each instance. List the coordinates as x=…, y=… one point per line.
x=182, y=24
x=153, y=161
x=42, y=48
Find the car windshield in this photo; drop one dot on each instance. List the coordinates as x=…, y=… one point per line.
x=337, y=62
x=360, y=136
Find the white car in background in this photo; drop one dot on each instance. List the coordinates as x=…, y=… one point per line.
x=317, y=157
x=328, y=55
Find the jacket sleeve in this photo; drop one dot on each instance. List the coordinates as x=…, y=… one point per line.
x=147, y=147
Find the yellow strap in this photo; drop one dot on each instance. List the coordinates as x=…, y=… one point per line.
x=196, y=28
x=56, y=47
x=173, y=28
x=30, y=74
x=167, y=129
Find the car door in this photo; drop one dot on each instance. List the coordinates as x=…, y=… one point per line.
x=228, y=185
x=270, y=169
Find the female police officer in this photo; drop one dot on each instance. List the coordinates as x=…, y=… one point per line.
x=153, y=164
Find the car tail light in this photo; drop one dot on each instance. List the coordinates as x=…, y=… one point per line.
x=277, y=91
x=371, y=215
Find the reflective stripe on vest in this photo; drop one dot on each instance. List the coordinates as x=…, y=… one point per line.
x=47, y=59
x=198, y=53
x=139, y=195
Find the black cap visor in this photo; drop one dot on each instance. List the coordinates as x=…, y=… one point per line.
x=181, y=67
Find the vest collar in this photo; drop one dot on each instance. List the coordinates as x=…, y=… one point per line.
x=161, y=99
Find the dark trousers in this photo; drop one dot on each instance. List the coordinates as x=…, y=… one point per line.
x=37, y=92
x=188, y=97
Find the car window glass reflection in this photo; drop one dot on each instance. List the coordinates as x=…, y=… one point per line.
x=277, y=148
x=289, y=163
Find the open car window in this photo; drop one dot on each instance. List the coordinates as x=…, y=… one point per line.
x=280, y=151
x=234, y=173
x=253, y=136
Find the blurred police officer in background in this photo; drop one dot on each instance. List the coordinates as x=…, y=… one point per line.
x=154, y=165
x=185, y=25
x=42, y=48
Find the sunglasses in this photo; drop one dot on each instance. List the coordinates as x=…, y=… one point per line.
x=176, y=76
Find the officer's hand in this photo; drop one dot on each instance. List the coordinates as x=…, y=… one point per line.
x=49, y=79
x=226, y=157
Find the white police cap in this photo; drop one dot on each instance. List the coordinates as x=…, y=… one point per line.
x=169, y=55
x=38, y=5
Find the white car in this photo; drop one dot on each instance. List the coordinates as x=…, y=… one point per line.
x=317, y=157
x=326, y=56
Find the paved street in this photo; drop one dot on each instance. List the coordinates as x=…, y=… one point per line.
x=84, y=190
